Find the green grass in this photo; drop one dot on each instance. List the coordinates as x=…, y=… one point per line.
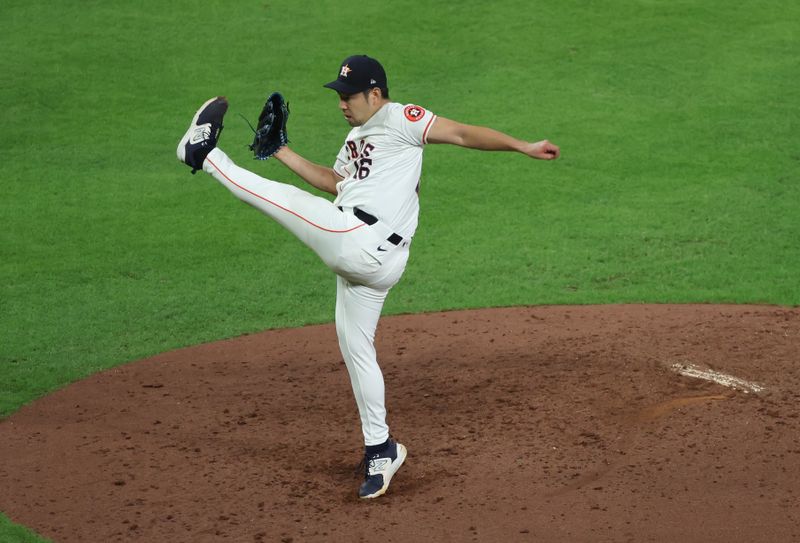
x=678, y=182
x=14, y=533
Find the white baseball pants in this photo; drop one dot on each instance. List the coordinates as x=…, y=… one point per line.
x=347, y=246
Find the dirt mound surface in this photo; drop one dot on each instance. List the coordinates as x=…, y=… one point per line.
x=522, y=424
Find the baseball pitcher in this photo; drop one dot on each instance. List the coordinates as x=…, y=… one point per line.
x=365, y=234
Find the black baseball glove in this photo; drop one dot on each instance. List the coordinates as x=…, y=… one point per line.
x=271, y=130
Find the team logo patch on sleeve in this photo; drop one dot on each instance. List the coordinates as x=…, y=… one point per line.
x=414, y=113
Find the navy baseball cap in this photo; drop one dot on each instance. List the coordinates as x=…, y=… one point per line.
x=357, y=74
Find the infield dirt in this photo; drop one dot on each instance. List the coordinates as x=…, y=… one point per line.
x=522, y=424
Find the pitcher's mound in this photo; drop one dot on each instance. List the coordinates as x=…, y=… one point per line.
x=595, y=423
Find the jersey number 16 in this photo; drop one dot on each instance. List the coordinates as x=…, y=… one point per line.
x=361, y=154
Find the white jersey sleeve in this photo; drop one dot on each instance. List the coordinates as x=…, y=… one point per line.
x=415, y=124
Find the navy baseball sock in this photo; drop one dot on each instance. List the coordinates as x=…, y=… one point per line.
x=372, y=449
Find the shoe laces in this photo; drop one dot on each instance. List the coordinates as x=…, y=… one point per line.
x=363, y=466
x=366, y=461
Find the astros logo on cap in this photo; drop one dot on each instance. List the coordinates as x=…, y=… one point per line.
x=345, y=70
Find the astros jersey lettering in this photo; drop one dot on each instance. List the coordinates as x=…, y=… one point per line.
x=381, y=163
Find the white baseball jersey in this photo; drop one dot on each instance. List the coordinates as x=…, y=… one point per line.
x=381, y=163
